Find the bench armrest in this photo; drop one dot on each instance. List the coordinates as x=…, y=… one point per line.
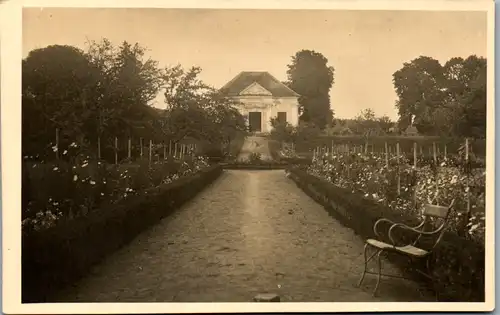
x=409, y=228
x=379, y=221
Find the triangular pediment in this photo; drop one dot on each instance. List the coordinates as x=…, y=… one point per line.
x=255, y=89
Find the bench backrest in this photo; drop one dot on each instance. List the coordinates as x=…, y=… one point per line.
x=435, y=211
x=443, y=214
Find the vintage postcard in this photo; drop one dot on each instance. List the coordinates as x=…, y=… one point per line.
x=255, y=156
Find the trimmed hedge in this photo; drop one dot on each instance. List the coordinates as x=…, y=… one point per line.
x=459, y=263
x=256, y=166
x=55, y=258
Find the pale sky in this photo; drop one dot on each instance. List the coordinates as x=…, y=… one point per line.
x=364, y=47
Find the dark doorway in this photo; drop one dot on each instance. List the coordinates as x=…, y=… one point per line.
x=255, y=121
x=282, y=117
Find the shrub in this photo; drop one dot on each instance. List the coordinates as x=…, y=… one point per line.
x=255, y=157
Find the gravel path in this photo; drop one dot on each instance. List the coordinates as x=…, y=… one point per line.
x=250, y=232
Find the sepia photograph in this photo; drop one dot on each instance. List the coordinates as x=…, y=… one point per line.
x=211, y=159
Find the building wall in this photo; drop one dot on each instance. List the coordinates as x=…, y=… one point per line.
x=269, y=107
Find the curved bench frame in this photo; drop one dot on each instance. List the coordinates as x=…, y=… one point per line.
x=411, y=250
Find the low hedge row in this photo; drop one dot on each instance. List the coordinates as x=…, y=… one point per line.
x=254, y=166
x=58, y=257
x=459, y=263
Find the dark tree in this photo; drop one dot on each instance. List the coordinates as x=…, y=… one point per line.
x=310, y=76
x=443, y=100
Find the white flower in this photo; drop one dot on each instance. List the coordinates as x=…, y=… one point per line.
x=75, y=178
x=92, y=182
x=56, y=168
x=65, y=152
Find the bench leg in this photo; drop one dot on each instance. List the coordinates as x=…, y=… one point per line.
x=429, y=266
x=366, y=263
x=379, y=276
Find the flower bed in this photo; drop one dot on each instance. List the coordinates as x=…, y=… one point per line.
x=61, y=191
x=60, y=255
x=459, y=263
x=369, y=176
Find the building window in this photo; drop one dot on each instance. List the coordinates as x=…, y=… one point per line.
x=282, y=117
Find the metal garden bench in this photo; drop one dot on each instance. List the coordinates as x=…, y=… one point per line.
x=411, y=250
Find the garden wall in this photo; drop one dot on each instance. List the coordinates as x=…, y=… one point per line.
x=59, y=256
x=459, y=262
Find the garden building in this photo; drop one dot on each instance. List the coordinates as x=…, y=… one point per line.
x=263, y=97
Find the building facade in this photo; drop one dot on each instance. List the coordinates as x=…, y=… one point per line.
x=263, y=97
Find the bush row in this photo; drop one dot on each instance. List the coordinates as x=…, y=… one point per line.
x=59, y=256
x=254, y=166
x=459, y=263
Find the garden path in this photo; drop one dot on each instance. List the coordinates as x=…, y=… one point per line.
x=255, y=144
x=249, y=232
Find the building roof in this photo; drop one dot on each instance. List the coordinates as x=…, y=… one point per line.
x=263, y=78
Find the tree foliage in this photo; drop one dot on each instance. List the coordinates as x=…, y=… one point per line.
x=285, y=132
x=105, y=91
x=310, y=76
x=447, y=99
x=366, y=123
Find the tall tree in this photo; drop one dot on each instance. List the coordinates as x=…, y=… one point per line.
x=58, y=83
x=448, y=100
x=419, y=86
x=86, y=93
x=310, y=76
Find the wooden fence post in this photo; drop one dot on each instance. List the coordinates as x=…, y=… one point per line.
x=141, y=145
x=467, y=182
x=129, y=154
x=164, y=150
x=386, y=156
x=150, y=151
x=399, y=173
x=116, y=150
x=98, y=147
x=415, y=174
x=434, y=156
x=57, y=144
x=445, y=152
